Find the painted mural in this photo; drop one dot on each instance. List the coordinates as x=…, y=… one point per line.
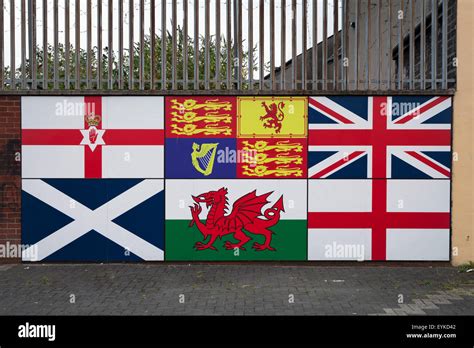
x=379, y=170
x=225, y=178
x=232, y=220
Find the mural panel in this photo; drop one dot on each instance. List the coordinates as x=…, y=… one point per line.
x=93, y=220
x=92, y=137
x=247, y=178
x=379, y=137
x=379, y=173
x=232, y=220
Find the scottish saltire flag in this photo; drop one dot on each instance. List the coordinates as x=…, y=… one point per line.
x=93, y=219
x=92, y=137
x=379, y=219
x=379, y=137
x=236, y=220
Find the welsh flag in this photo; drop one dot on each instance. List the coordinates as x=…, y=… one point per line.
x=235, y=220
x=92, y=137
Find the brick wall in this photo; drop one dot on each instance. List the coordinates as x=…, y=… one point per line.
x=10, y=170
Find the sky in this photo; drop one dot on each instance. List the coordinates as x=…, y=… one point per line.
x=245, y=33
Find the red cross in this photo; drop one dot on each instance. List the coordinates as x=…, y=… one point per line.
x=93, y=159
x=379, y=137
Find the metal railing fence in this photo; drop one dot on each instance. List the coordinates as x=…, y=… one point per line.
x=228, y=45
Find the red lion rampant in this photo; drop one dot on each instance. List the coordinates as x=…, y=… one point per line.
x=274, y=116
x=246, y=214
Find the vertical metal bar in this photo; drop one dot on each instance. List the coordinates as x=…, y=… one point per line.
x=444, y=42
x=344, y=41
x=34, y=72
x=400, y=47
x=163, y=44
x=99, y=44
x=120, y=43
x=283, y=45
x=368, y=23
x=45, y=44
x=185, y=44
x=229, y=44
x=2, y=61
x=67, y=44
x=422, y=45
x=250, y=41
x=315, y=45
x=23, y=44
x=379, y=46
x=207, y=63
x=77, y=44
x=294, y=64
x=434, y=43
x=272, y=44
x=412, y=45
x=142, y=45
x=152, y=44
x=325, y=44
x=235, y=64
x=390, y=44
x=131, y=53
x=218, y=44
x=56, y=42
x=261, y=51
x=356, y=46
x=196, y=44
x=89, y=44
x=304, y=23
x=239, y=44
x=110, y=44
x=335, y=45
x=12, y=45
x=173, y=42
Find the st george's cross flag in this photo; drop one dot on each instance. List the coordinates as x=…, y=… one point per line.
x=92, y=137
x=352, y=219
x=99, y=220
x=379, y=137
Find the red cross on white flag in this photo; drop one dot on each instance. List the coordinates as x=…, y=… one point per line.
x=92, y=137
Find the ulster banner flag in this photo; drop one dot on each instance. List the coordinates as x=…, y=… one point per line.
x=92, y=137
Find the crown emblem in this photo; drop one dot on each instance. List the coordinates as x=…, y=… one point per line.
x=92, y=119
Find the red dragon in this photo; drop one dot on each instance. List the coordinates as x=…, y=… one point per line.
x=246, y=214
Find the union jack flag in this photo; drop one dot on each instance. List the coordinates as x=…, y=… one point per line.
x=379, y=137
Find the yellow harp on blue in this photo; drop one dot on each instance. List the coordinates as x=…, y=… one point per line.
x=203, y=157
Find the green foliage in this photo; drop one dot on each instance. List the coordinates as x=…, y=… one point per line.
x=89, y=70
x=466, y=267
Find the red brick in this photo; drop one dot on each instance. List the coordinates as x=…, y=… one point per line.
x=10, y=221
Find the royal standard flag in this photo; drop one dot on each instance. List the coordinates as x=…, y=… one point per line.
x=235, y=220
